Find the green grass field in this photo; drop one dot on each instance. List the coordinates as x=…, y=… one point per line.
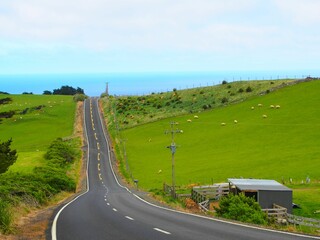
x=283, y=145
x=33, y=132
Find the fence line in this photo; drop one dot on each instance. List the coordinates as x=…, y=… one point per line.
x=203, y=195
x=276, y=212
x=303, y=221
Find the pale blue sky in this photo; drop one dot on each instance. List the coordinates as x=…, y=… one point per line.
x=75, y=36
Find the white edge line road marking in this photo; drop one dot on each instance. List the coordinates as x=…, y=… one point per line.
x=98, y=156
x=130, y=218
x=162, y=231
x=99, y=166
x=191, y=214
x=54, y=224
x=100, y=176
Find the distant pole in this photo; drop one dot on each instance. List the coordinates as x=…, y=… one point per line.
x=107, y=89
x=173, y=149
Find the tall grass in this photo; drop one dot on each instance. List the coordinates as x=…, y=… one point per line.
x=5, y=217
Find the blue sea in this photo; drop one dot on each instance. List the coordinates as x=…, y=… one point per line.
x=136, y=83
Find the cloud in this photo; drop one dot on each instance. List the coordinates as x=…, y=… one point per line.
x=304, y=13
x=176, y=31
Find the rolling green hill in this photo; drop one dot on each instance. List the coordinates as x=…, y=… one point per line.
x=38, y=120
x=279, y=142
x=282, y=145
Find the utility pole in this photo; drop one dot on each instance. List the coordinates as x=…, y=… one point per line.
x=107, y=89
x=173, y=149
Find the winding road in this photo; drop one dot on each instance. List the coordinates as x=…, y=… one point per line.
x=108, y=210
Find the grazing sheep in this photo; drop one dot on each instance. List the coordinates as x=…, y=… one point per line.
x=160, y=171
x=260, y=105
x=277, y=106
x=252, y=108
x=235, y=121
x=271, y=106
x=264, y=116
x=189, y=120
x=196, y=117
x=223, y=124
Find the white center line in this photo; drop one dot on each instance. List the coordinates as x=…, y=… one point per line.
x=114, y=209
x=108, y=204
x=130, y=218
x=162, y=231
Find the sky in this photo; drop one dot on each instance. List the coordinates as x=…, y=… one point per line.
x=98, y=36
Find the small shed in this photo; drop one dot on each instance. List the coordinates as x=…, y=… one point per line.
x=265, y=192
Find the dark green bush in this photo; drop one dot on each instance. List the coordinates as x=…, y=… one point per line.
x=249, y=89
x=60, y=152
x=241, y=208
x=224, y=100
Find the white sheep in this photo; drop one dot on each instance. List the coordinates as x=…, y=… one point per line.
x=252, y=108
x=264, y=116
x=189, y=120
x=260, y=105
x=160, y=171
x=223, y=124
x=277, y=106
x=271, y=106
x=235, y=121
x=196, y=117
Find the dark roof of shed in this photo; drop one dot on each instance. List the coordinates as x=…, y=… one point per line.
x=258, y=184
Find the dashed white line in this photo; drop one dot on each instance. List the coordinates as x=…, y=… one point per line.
x=130, y=218
x=108, y=204
x=114, y=209
x=99, y=166
x=100, y=176
x=162, y=231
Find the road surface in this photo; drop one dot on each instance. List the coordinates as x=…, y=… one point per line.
x=110, y=211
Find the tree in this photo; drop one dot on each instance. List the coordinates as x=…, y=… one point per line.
x=7, y=156
x=67, y=90
x=46, y=92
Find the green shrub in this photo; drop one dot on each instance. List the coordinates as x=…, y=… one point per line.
x=224, y=100
x=249, y=89
x=241, y=208
x=79, y=97
x=60, y=152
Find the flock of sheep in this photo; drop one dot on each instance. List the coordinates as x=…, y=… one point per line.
x=236, y=121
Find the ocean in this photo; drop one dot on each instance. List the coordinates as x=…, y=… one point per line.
x=136, y=83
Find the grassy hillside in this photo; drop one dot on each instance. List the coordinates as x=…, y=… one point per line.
x=273, y=143
x=131, y=111
x=38, y=120
x=34, y=123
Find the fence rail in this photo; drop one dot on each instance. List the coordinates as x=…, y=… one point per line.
x=276, y=212
x=303, y=221
x=203, y=195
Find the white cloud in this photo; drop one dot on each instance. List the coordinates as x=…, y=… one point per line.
x=179, y=29
x=304, y=13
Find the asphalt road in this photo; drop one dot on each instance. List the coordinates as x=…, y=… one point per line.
x=110, y=211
